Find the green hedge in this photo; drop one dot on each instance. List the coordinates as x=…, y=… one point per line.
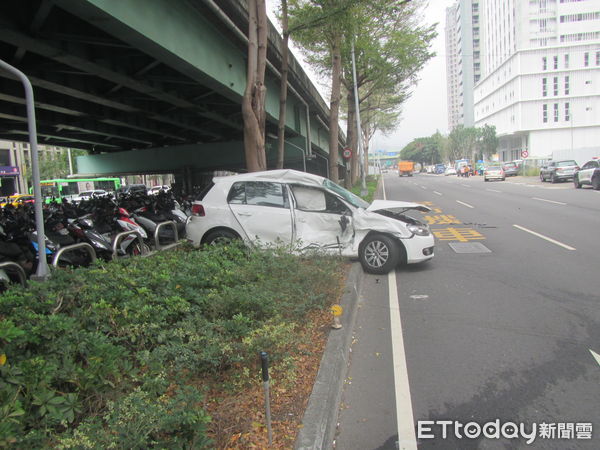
x=112, y=356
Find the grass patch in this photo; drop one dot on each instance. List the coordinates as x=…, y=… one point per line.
x=371, y=181
x=143, y=353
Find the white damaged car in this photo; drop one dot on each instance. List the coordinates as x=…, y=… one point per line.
x=305, y=211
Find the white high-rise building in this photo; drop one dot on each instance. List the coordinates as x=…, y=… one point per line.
x=463, y=66
x=540, y=84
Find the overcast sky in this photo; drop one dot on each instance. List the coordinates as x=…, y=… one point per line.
x=425, y=112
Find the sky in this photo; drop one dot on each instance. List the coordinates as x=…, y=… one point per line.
x=425, y=112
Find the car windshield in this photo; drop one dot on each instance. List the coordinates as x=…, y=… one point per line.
x=566, y=163
x=345, y=194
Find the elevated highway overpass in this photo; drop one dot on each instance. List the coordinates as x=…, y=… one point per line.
x=149, y=86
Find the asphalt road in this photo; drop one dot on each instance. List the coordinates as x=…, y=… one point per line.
x=502, y=333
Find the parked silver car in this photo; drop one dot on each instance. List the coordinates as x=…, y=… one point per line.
x=305, y=211
x=556, y=171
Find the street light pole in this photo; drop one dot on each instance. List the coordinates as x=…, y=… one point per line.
x=363, y=182
x=42, y=268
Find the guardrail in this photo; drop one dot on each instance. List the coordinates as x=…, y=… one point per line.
x=20, y=271
x=69, y=248
x=119, y=237
x=168, y=223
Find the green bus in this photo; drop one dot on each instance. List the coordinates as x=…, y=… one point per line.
x=70, y=187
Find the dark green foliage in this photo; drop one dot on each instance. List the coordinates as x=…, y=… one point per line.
x=111, y=355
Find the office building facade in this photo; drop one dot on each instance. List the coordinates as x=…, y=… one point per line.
x=540, y=84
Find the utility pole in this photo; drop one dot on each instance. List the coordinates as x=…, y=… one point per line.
x=363, y=182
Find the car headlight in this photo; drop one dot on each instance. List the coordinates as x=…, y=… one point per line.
x=419, y=230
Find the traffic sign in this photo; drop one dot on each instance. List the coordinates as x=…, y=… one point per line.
x=524, y=154
x=347, y=153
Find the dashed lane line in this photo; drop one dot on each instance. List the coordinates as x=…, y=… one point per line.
x=465, y=204
x=494, y=190
x=437, y=193
x=553, y=241
x=548, y=201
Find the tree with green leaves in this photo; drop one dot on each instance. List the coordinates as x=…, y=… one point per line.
x=391, y=48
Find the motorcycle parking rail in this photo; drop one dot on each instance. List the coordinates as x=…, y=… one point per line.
x=18, y=269
x=168, y=223
x=119, y=237
x=69, y=248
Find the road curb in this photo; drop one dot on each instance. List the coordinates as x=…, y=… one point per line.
x=320, y=418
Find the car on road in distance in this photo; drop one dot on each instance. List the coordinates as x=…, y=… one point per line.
x=156, y=189
x=510, y=169
x=19, y=199
x=132, y=189
x=589, y=174
x=494, y=172
x=303, y=212
x=87, y=195
x=450, y=171
x=556, y=171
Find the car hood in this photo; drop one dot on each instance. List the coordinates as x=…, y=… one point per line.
x=396, y=206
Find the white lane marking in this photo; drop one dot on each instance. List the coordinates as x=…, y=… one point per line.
x=560, y=244
x=595, y=355
x=466, y=185
x=437, y=193
x=423, y=187
x=465, y=204
x=549, y=201
x=493, y=190
x=406, y=424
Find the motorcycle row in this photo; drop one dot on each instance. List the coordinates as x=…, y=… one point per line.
x=100, y=222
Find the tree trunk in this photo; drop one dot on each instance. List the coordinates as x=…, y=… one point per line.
x=334, y=107
x=253, y=102
x=283, y=86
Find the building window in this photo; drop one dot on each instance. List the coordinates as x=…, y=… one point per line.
x=544, y=63
x=567, y=114
x=545, y=113
x=555, y=62
x=555, y=85
x=566, y=61
x=586, y=59
x=556, y=112
x=543, y=25
x=544, y=87
x=598, y=58
x=567, y=85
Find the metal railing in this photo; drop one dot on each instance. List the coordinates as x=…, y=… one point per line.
x=69, y=248
x=13, y=266
x=168, y=223
x=119, y=237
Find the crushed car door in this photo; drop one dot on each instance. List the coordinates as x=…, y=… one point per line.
x=262, y=210
x=322, y=220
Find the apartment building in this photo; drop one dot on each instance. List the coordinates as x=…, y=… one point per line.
x=15, y=161
x=540, y=84
x=463, y=60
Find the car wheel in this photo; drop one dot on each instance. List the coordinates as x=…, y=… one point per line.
x=553, y=179
x=485, y=179
x=576, y=182
x=502, y=179
x=596, y=182
x=379, y=254
x=220, y=237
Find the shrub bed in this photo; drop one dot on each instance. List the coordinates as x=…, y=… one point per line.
x=123, y=354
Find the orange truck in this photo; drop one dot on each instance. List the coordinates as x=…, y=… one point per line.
x=406, y=168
